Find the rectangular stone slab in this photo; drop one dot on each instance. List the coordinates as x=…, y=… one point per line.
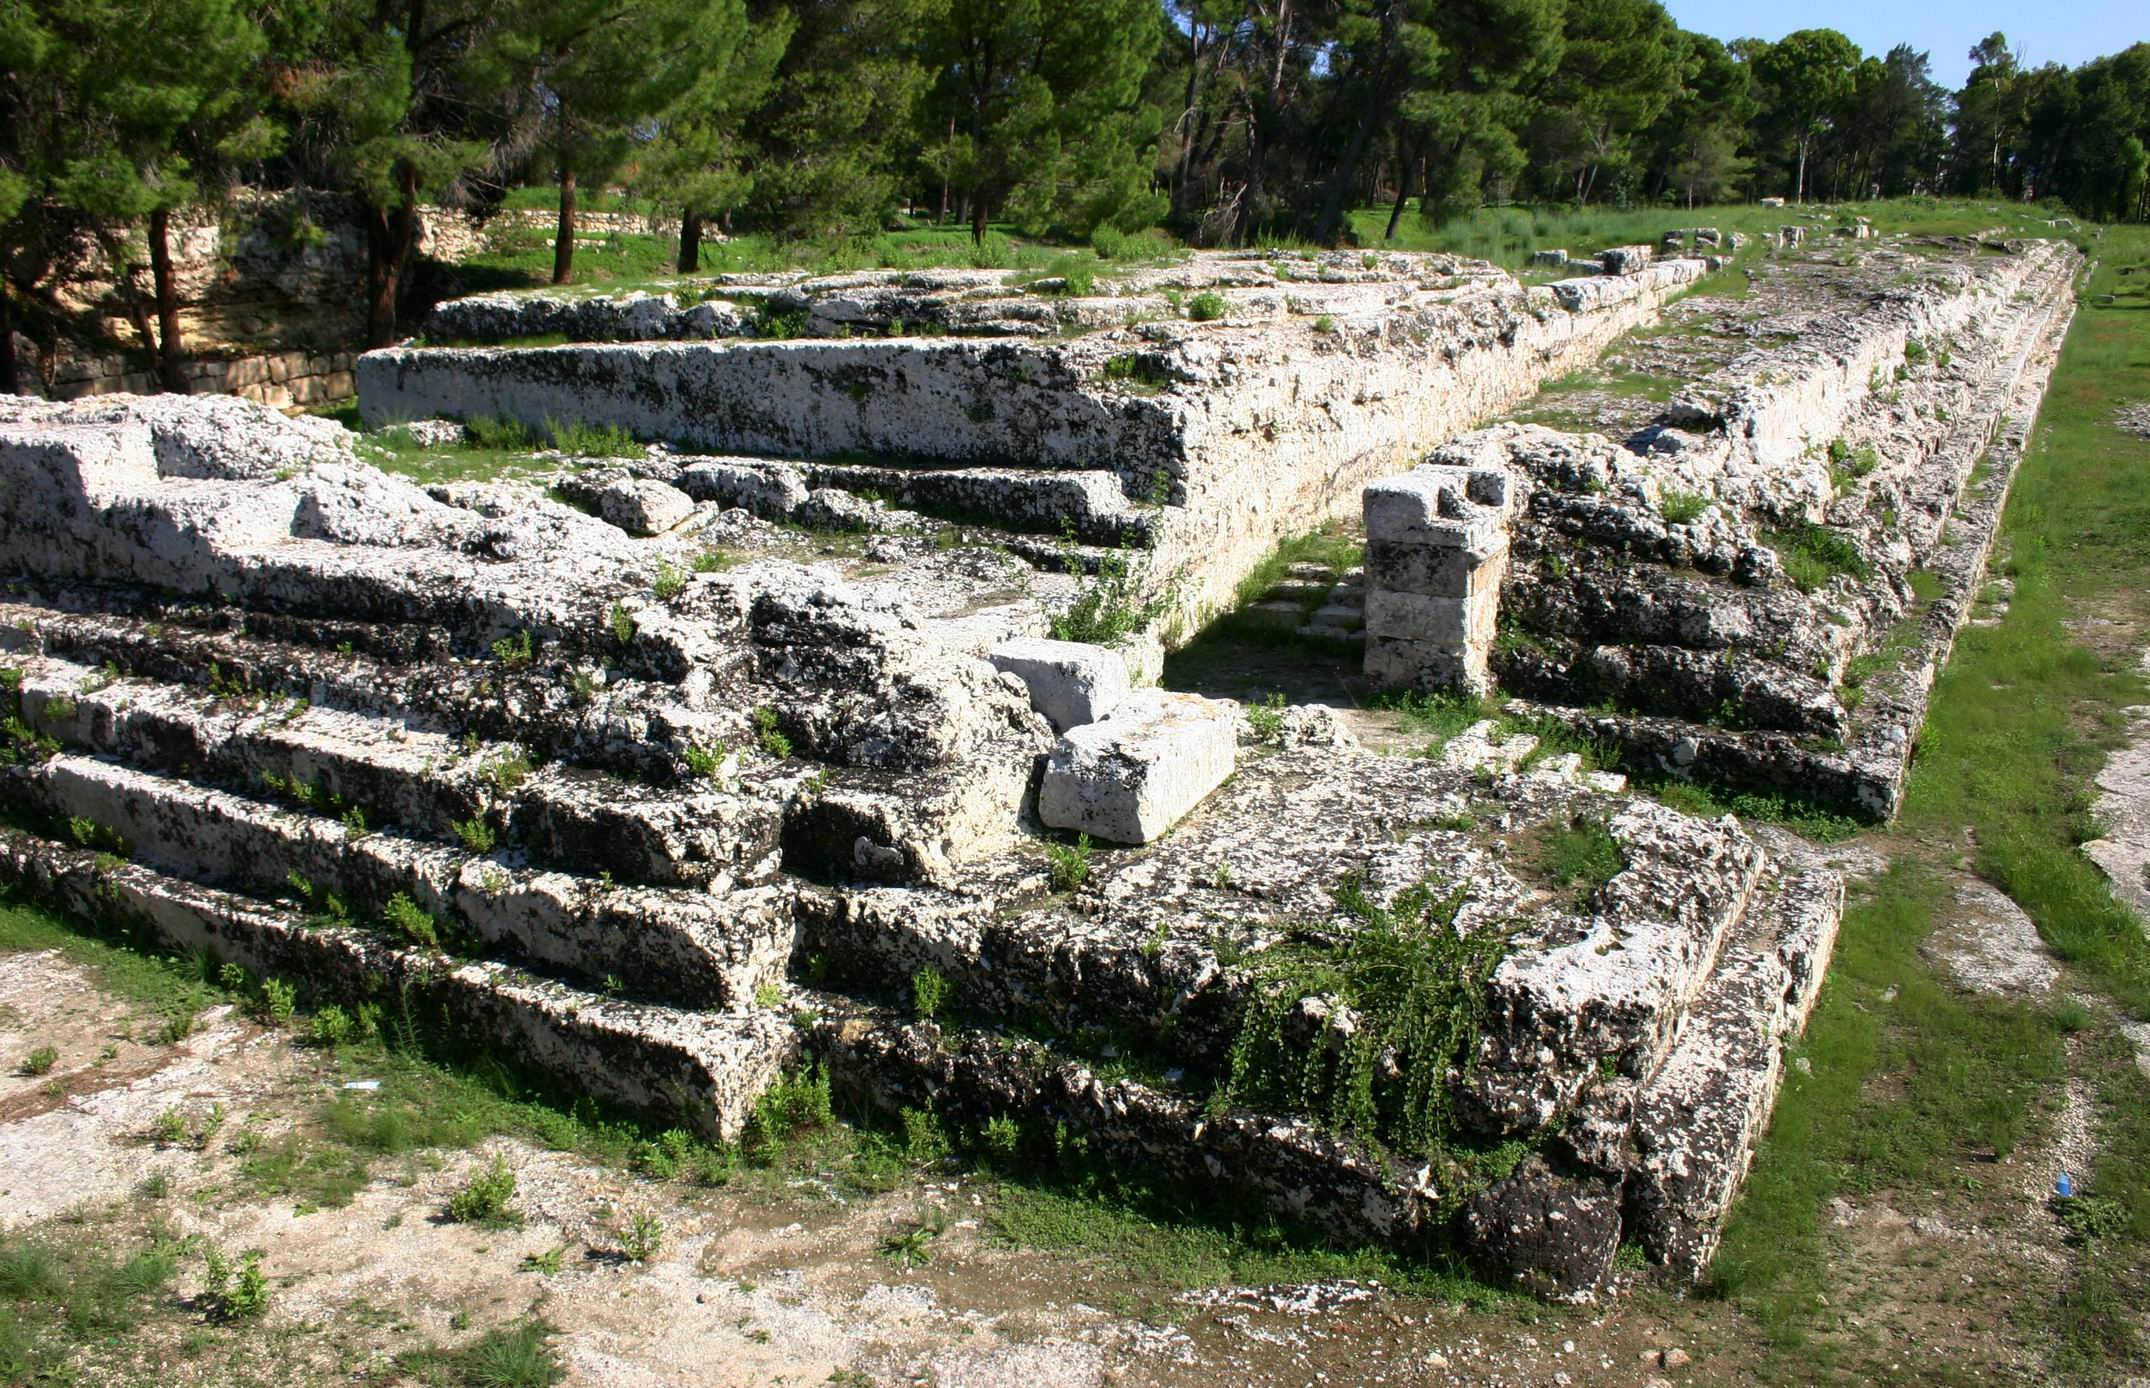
x=1133, y=776
x=1070, y=682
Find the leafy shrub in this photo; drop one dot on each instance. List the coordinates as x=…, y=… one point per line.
x=332, y=1027
x=41, y=1060
x=515, y=651
x=1003, y=1136
x=1266, y=718
x=1206, y=307
x=642, y=1237
x=412, y=921
x=1108, y=608
x=773, y=740
x=669, y=583
x=1325, y=324
x=706, y=761
x=1814, y=554
x=279, y=1001
x=711, y=561
x=622, y=623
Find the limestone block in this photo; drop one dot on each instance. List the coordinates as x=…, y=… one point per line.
x=1432, y=506
x=1133, y=776
x=1554, y=256
x=1070, y=682
x=1416, y=617
x=1624, y=260
x=1438, y=571
x=772, y=490
x=640, y=506
x=1791, y=236
x=1392, y=663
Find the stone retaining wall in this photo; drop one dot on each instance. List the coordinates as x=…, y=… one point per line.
x=281, y=379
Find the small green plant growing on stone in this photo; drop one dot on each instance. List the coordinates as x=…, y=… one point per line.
x=60, y=709
x=1206, y=307
x=773, y=741
x=1265, y=717
x=669, y=583
x=1109, y=607
x=354, y=821
x=1914, y=351
x=475, y=833
x=768, y=993
x=1581, y=855
x=507, y=770
x=41, y=1060
x=234, y=1293
x=411, y=921
x=1143, y=372
x=1814, y=554
x=706, y=761
x=1069, y=864
x=929, y=992
x=712, y=561
x=1679, y=508
x=1325, y=324
x=622, y=623
x=485, y=1198
x=642, y=1237
x=515, y=651
x=548, y=1262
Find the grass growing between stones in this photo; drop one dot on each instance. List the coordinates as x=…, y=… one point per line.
x=1907, y=1081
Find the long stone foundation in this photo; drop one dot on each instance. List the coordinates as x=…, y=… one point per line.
x=1306, y=378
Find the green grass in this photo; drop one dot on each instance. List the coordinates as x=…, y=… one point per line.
x=1956, y=1073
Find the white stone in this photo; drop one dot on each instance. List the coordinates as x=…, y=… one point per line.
x=1070, y=682
x=640, y=506
x=1133, y=776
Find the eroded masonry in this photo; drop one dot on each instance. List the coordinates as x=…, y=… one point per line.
x=766, y=746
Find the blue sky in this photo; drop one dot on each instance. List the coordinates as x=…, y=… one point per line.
x=2059, y=31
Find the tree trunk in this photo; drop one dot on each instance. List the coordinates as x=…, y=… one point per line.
x=1403, y=194
x=977, y=216
x=690, y=241
x=1799, y=190
x=563, y=241
x=10, y=380
x=170, y=368
x=390, y=234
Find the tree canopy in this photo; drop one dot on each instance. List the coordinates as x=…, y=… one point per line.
x=1223, y=121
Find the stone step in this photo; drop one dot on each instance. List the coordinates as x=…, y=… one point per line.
x=1093, y=504
x=638, y=727
x=402, y=773
x=1341, y=618
x=687, y=946
x=1301, y=592
x=702, y=1070
x=1698, y=1118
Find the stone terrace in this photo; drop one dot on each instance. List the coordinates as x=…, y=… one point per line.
x=667, y=830
x=1201, y=412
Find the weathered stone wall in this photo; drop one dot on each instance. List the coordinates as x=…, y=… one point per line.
x=273, y=378
x=1253, y=428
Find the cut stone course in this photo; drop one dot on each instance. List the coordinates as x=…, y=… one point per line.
x=1070, y=682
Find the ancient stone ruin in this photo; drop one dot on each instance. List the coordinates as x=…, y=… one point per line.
x=768, y=747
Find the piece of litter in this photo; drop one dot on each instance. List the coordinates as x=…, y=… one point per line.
x=368, y=1085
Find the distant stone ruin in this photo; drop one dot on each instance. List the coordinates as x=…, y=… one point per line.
x=829, y=732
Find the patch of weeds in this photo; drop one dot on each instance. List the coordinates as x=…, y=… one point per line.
x=669, y=582
x=278, y=1003
x=706, y=761
x=1581, y=855
x=515, y=651
x=516, y=1356
x=641, y=1237
x=913, y=1247
x=411, y=921
x=547, y=1263
x=1847, y=466
x=1265, y=717
x=1068, y=864
x=1416, y=984
x=475, y=834
x=713, y=561
x=772, y=738
x=1439, y=717
x=1109, y=606
x=1814, y=554
x=1680, y=508
x=506, y=770
x=332, y=1027
x=40, y=1061
x=1206, y=307
x=622, y=624
x=1800, y=816
x=593, y=441
x=487, y=1196
x=1144, y=372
